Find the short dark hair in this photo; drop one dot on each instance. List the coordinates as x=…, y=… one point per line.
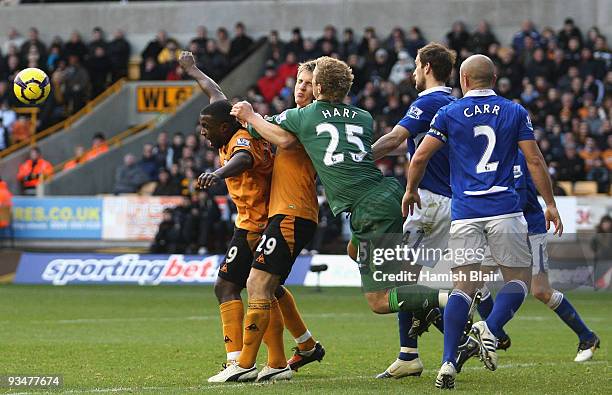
x=220, y=111
x=440, y=58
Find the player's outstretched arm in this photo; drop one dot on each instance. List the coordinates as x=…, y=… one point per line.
x=389, y=142
x=539, y=172
x=269, y=131
x=418, y=164
x=239, y=163
x=208, y=85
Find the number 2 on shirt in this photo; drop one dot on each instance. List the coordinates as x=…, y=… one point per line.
x=484, y=166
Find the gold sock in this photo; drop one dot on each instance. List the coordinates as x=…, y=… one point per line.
x=255, y=325
x=273, y=338
x=232, y=313
x=294, y=322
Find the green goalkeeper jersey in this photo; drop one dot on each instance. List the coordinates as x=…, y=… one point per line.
x=338, y=140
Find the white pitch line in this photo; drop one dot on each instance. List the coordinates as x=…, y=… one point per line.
x=550, y=317
x=154, y=319
x=317, y=379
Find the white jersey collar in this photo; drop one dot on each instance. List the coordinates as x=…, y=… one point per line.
x=480, y=92
x=445, y=89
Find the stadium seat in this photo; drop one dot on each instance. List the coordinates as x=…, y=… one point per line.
x=134, y=68
x=147, y=189
x=567, y=187
x=582, y=188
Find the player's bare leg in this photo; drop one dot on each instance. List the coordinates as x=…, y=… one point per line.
x=588, y=341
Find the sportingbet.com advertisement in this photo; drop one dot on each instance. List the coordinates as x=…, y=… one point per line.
x=65, y=269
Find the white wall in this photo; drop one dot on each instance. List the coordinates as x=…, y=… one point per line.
x=434, y=17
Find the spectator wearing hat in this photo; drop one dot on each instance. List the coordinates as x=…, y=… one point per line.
x=402, y=69
x=569, y=31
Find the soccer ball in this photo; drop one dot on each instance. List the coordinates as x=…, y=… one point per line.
x=31, y=86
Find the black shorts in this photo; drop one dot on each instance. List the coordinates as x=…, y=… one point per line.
x=236, y=264
x=281, y=243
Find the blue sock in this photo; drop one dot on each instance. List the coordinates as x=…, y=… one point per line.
x=569, y=315
x=455, y=318
x=485, y=307
x=509, y=298
x=408, y=346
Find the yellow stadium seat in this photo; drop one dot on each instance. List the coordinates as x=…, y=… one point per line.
x=147, y=189
x=585, y=188
x=566, y=186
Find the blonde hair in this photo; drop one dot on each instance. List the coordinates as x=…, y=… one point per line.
x=335, y=78
x=307, y=66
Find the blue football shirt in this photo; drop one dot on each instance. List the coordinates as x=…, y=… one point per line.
x=482, y=131
x=417, y=119
x=532, y=210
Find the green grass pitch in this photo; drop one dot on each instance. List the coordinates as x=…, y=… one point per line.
x=113, y=339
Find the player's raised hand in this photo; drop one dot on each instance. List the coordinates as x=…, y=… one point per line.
x=552, y=215
x=207, y=180
x=186, y=60
x=408, y=202
x=242, y=110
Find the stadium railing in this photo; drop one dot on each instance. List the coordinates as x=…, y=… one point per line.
x=116, y=87
x=115, y=141
x=80, y=182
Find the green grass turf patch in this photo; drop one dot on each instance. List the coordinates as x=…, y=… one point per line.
x=113, y=339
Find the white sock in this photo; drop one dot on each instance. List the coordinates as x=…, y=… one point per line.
x=305, y=336
x=442, y=298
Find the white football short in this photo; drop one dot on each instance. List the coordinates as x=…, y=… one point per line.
x=428, y=228
x=539, y=254
x=504, y=240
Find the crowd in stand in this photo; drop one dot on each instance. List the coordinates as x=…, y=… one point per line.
x=173, y=164
x=563, y=78
x=80, y=70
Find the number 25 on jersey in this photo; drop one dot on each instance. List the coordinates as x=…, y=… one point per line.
x=353, y=134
